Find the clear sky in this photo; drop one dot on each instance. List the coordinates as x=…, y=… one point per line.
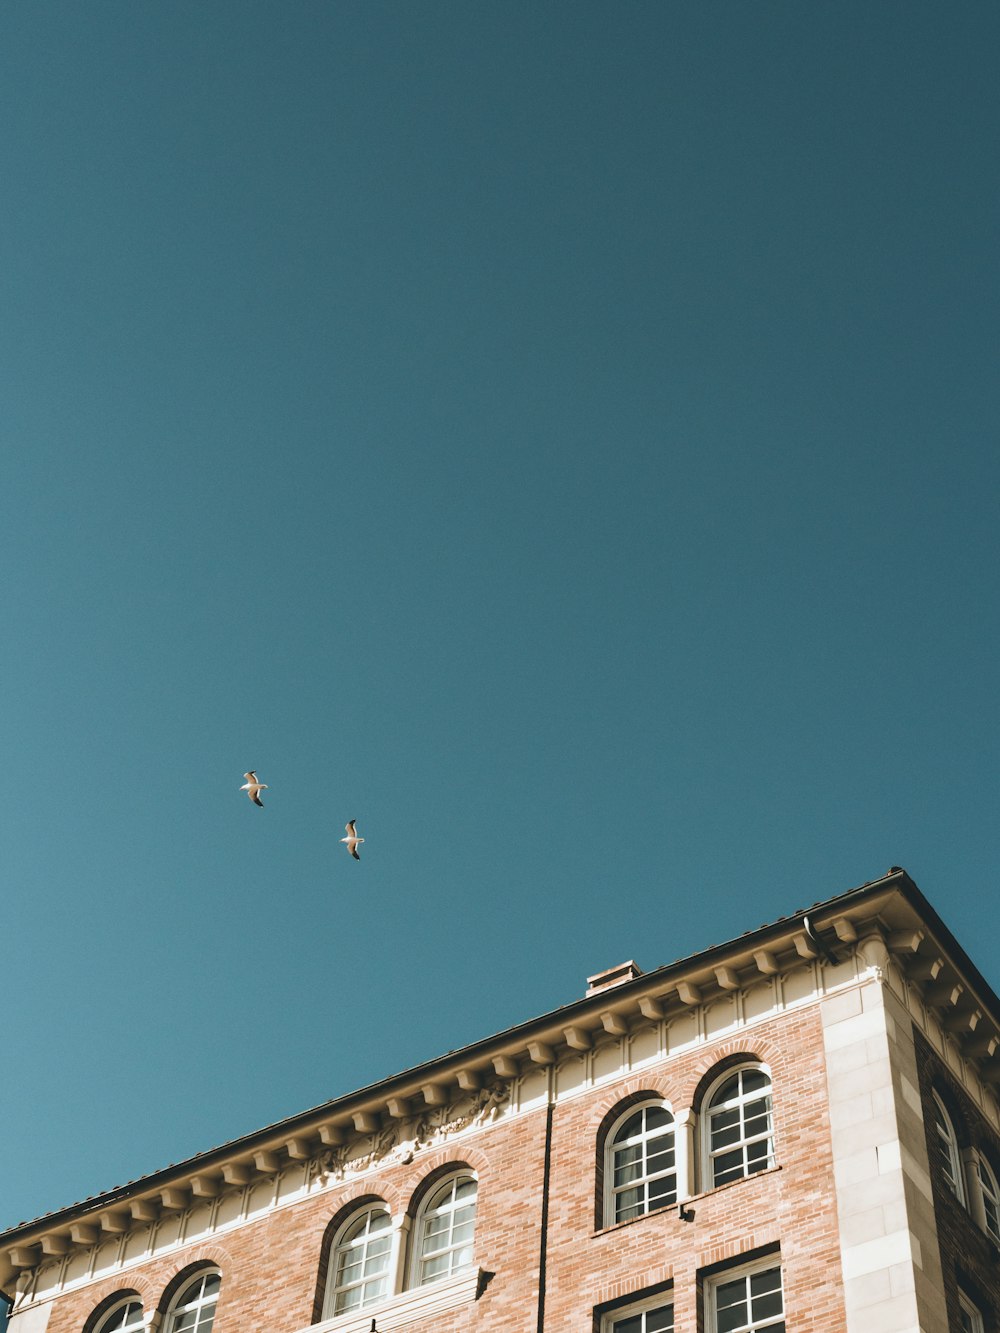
x=560, y=436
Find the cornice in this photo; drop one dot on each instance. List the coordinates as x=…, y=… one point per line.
x=890, y=914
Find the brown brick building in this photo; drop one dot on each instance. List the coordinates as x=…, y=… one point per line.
x=796, y=1130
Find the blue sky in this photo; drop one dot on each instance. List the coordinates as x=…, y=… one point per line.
x=561, y=437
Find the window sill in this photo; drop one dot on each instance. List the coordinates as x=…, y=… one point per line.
x=675, y=1208
x=410, y=1307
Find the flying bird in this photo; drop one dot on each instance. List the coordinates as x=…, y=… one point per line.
x=253, y=788
x=352, y=839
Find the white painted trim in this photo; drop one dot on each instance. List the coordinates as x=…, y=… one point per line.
x=972, y=1311
x=117, y=1308
x=198, y=1303
x=427, y=1206
x=864, y=973
x=946, y=1139
x=717, y=1280
x=706, y=1175
x=367, y=1210
x=650, y=1304
x=412, y=1307
x=658, y=1103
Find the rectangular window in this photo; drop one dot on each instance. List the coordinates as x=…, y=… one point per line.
x=748, y=1301
x=970, y=1320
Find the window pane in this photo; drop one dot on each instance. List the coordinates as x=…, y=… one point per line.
x=349, y=1271
x=374, y=1291
x=631, y=1128
x=766, y=1307
x=660, y=1321
x=662, y=1159
x=729, y=1089
x=732, y=1318
x=628, y=1165
x=658, y=1117
x=435, y=1266
x=124, y=1320
x=764, y=1282
x=662, y=1190
x=758, y=1154
x=757, y=1115
x=728, y=1167
x=731, y=1305
x=754, y=1079
x=347, y=1300
x=725, y=1119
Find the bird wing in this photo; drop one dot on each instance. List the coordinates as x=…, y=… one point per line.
x=251, y=776
x=350, y=829
x=353, y=849
x=255, y=798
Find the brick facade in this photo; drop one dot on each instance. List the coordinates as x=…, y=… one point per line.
x=271, y=1269
x=858, y=1014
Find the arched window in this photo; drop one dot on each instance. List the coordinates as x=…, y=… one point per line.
x=445, y=1229
x=989, y=1193
x=640, y=1167
x=947, y=1147
x=738, y=1126
x=359, y=1261
x=123, y=1317
x=193, y=1309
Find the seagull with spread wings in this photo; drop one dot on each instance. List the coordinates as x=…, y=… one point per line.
x=253, y=788
x=352, y=839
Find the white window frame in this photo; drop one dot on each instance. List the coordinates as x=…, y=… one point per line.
x=117, y=1309
x=428, y=1208
x=745, y=1271
x=708, y=1114
x=985, y=1183
x=651, y=1305
x=179, y=1306
x=946, y=1141
x=611, y=1194
x=339, y=1247
x=967, y=1307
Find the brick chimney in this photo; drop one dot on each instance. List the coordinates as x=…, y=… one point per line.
x=612, y=976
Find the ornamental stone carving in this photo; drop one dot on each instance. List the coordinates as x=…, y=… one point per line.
x=399, y=1143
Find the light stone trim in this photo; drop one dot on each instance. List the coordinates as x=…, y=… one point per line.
x=888, y=1238
x=591, y=1059
x=411, y=1307
x=647, y=1044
